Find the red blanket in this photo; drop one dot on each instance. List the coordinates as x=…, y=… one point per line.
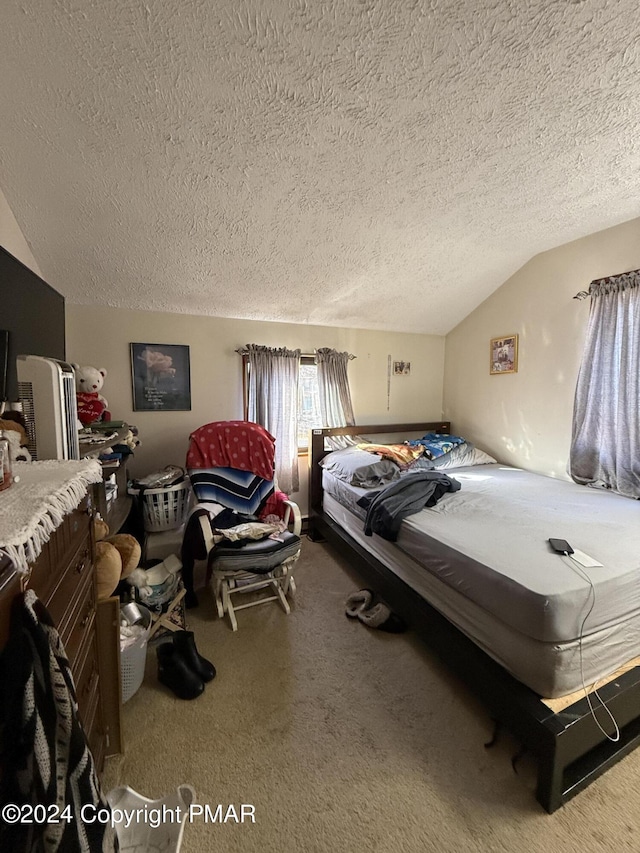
x=233, y=444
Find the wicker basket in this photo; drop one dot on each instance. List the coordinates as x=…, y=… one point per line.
x=164, y=509
x=134, y=657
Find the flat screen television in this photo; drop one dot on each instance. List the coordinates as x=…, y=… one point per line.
x=32, y=320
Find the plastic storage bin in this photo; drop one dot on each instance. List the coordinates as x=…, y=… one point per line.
x=145, y=835
x=163, y=509
x=134, y=657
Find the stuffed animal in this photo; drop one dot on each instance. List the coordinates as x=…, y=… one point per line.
x=11, y=423
x=17, y=452
x=100, y=528
x=108, y=568
x=116, y=558
x=91, y=404
x=129, y=443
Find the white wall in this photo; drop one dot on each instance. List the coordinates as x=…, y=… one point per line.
x=101, y=337
x=524, y=418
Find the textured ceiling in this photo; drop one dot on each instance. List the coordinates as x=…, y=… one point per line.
x=312, y=161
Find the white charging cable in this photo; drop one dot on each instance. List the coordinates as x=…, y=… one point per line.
x=592, y=598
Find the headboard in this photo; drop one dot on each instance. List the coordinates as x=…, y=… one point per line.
x=317, y=448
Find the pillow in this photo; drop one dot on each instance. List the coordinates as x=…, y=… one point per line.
x=360, y=468
x=401, y=454
x=462, y=455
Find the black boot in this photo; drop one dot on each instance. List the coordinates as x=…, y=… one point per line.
x=176, y=675
x=185, y=644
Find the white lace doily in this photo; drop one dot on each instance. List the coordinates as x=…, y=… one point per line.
x=32, y=508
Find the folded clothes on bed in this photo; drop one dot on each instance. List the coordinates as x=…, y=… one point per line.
x=436, y=445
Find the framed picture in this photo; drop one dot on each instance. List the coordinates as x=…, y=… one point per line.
x=503, y=354
x=402, y=368
x=161, y=378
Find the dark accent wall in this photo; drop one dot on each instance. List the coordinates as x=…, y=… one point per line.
x=32, y=312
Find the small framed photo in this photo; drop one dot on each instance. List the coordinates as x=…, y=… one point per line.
x=161, y=378
x=402, y=368
x=503, y=354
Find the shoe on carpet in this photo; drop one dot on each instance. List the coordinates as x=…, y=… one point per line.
x=174, y=673
x=184, y=642
x=357, y=602
x=381, y=617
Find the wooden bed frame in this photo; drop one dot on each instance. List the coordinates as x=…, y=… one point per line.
x=569, y=748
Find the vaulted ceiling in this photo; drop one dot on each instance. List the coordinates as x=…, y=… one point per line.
x=381, y=164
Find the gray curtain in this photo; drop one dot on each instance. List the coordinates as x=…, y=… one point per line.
x=273, y=403
x=605, y=442
x=336, y=407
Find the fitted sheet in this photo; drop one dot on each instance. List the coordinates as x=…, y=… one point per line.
x=551, y=668
x=488, y=541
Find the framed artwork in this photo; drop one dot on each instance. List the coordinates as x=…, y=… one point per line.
x=161, y=378
x=401, y=368
x=503, y=354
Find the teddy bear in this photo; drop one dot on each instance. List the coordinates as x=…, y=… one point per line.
x=116, y=557
x=129, y=443
x=16, y=435
x=92, y=406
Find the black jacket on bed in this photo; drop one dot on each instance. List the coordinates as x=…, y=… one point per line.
x=409, y=494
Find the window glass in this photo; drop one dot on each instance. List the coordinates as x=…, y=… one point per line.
x=308, y=402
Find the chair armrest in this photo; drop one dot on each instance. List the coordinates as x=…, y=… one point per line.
x=207, y=531
x=292, y=509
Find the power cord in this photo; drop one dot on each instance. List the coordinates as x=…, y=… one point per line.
x=575, y=565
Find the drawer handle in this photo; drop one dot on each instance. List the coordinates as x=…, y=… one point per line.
x=87, y=615
x=91, y=680
x=82, y=562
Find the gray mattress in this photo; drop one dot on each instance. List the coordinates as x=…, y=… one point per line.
x=481, y=557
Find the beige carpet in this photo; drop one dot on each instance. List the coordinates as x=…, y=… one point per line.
x=348, y=739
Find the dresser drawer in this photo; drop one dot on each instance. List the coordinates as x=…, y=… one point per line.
x=86, y=677
x=89, y=702
x=94, y=730
x=64, y=600
x=75, y=526
x=80, y=623
x=73, y=532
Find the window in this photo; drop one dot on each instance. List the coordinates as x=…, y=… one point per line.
x=309, y=415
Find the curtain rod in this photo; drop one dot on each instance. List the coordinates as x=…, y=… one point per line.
x=583, y=294
x=245, y=351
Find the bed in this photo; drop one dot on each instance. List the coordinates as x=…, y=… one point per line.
x=521, y=625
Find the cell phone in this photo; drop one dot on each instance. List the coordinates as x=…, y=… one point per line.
x=561, y=546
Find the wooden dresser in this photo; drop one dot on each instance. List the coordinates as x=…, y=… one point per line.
x=63, y=578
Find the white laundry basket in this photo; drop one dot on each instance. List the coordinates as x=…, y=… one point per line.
x=133, y=658
x=164, y=509
x=147, y=832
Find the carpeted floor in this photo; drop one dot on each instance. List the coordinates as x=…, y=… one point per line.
x=348, y=739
